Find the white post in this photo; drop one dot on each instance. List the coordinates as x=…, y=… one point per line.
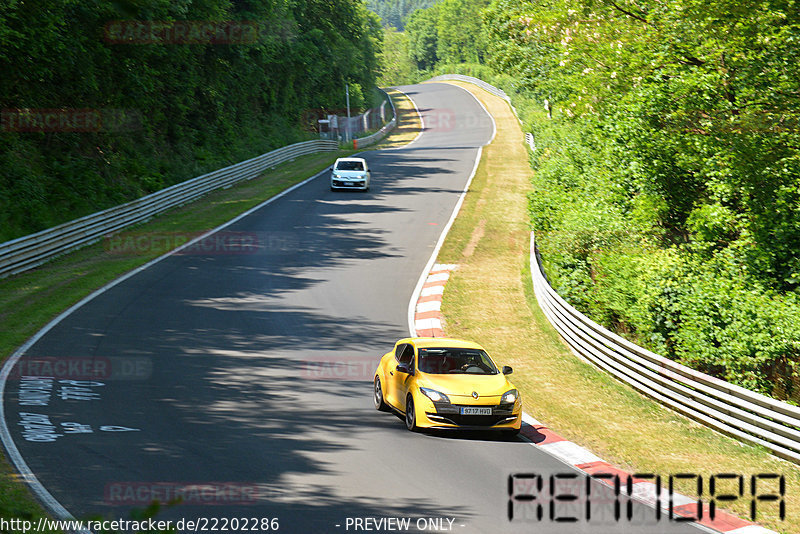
x=347, y=92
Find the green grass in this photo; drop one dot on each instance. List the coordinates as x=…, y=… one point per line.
x=408, y=122
x=489, y=241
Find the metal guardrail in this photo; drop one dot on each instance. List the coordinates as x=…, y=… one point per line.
x=362, y=142
x=529, y=140
x=32, y=250
x=728, y=408
x=731, y=409
x=475, y=81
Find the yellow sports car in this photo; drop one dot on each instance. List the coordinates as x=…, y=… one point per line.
x=447, y=383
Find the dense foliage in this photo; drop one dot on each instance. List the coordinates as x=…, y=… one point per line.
x=667, y=184
x=170, y=109
x=395, y=62
x=395, y=13
x=449, y=32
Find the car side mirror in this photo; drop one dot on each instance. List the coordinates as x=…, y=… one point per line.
x=507, y=370
x=404, y=369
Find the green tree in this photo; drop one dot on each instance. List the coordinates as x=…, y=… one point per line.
x=423, y=39
x=397, y=12
x=197, y=107
x=459, y=30
x=668, y=180
x=396, y=65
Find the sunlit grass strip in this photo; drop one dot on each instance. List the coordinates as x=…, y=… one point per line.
x=408, y=126
x=490, y=299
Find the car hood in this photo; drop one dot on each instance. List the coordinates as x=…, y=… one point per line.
x=462, y=385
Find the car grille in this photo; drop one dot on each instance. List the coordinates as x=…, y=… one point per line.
x=338, y=183
x=449, y=413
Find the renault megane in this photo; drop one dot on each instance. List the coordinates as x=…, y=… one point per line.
x=447, y=383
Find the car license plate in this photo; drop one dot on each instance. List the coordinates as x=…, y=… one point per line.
x=469, y=410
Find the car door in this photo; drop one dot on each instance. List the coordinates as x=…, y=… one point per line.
x=404, y=379
x=396, y=386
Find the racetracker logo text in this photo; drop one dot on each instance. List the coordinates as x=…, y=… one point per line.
x=205, y=493
x=181, y=32
x=218, y=243
x=355, y=368
x=83, y=367
x=67, y=120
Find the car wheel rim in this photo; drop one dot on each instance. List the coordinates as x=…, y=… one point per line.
x=378, y=392
x=410, y=414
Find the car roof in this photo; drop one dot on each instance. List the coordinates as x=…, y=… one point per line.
x=350, y=159
x=429, y=342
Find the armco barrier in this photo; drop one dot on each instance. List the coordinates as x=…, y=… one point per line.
x=475, y=81
x=363, y=142
x=489, y=89
x=726, y=407
x=29, y=251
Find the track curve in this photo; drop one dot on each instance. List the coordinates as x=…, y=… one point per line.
x=249, y=372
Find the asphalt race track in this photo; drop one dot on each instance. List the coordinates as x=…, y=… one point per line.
x=240, y=372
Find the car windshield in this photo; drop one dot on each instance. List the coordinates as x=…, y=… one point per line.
x=443, y=361
x=349, y=166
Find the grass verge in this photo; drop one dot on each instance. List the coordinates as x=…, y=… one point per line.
x=489, y=241
x=408, y=122
x=28, y=301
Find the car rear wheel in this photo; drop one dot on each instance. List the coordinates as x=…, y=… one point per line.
x=411, y=415
x=378, y=397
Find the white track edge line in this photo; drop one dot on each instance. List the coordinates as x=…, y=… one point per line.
x=424, y=275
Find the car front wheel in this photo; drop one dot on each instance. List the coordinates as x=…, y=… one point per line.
x=411, y=415
x=378, y=397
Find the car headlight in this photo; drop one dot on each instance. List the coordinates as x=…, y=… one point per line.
x=434, y=395
x=510, y=397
